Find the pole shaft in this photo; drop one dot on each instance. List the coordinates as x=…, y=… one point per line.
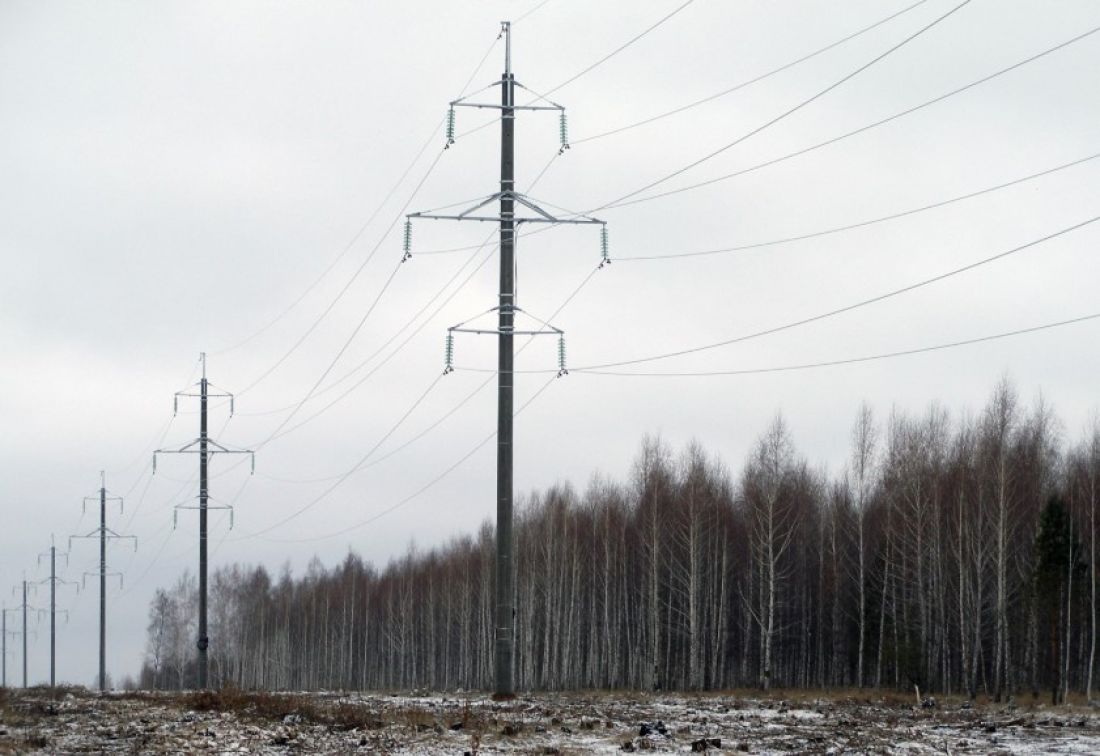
x=4, y=650
x=203, y=640
x=103, y=588
x=53, y=622
x=24, y=633
x=505, y=569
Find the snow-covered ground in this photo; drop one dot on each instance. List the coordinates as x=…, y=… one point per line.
x=330, y=723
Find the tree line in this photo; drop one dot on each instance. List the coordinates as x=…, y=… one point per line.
x=953, y=553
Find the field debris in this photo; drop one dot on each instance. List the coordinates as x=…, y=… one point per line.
x=72, y=720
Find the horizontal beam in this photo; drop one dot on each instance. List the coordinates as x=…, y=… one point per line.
x=499, y=219
x=501, y=107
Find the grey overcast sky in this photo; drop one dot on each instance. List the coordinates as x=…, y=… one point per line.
x=175, y=175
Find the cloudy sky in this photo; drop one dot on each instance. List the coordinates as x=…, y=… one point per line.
x=231, y=177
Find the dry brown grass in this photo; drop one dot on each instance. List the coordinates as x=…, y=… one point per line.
x=277, y=706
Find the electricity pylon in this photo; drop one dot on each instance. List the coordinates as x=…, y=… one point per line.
x=104, y=534
x=4, y=633
x=54, y=580
x=205, y=447
x=506, y=309
x=24, y=606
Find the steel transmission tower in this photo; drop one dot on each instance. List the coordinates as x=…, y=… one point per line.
x=54, y=580
x=205, y=447
x=24, y=607
x=4, y=633
x=506, y=309
x=104, y=534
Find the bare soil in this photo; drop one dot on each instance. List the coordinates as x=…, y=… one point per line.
x=75, y=721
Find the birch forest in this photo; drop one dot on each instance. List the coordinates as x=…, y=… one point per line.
x=953, y=552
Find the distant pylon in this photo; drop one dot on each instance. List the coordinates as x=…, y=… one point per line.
x=205, y=447
x=104, y=534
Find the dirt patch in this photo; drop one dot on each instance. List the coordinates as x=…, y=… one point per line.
x=235, y=721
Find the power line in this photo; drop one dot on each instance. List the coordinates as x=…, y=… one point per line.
x=848, y=360
x=422, y=489
x=366, y=224
x=619, y=49
x=528, y=13
x=445, y=472
x=349, y=473
x=790, y=111
x=340, y=353
x=349, y=283
x=824, y=315
x=399, y=331
x=860, y=130
x=275, y=434
x=832, y=140
x=862, y=224
x=856, y=305
x=593, y=66
x=749, y=82
x=363, y=462
x=370, y=255
x=439, y=421
x=390, y=356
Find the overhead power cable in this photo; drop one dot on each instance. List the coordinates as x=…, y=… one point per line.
x=347, y=286
x=848, y=308
x=593, y=66
x=854, y=132
x=862, y=224
x=816, y=96
x=366, y=224
x=749, y=82
x=366, y=462
x=529, y=12
x=276, y=433
x=824, y=315
x=316, y=500
x=280, y=433
x=848, y=360
x=397, y=334
x=618, y=49
x=420, y=491
x=332, y=363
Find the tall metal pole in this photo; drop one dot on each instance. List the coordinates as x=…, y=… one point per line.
x=24, y=633
x=103, y=533
x=203, y=641
x=505, y=615
x=103, y=583
x=206, y=448
x=504, y=621
x=4, y=649
x=53, y=608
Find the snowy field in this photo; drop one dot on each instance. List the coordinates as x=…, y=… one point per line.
x=75, y=721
